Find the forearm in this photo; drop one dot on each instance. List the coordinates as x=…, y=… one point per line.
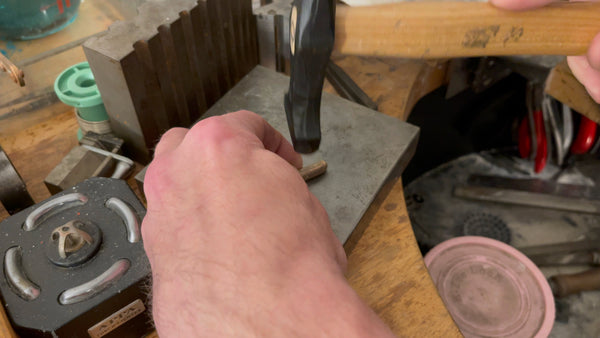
x=246, y=250
x=307, y=302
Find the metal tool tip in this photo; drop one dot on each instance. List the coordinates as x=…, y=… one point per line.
x=306, y=146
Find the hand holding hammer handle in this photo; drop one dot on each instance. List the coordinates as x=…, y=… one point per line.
x=418, y=30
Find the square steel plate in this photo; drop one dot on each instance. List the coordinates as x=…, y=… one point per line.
x=363, y=148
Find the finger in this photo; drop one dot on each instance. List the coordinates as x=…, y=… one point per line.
x=519, y=5
x=593, y=53
x=170, y=140
x=271, y=139
x=587, y=75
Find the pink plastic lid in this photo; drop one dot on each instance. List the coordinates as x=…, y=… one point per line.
x=491, y=289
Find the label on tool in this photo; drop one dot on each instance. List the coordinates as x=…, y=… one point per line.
x=117, y=319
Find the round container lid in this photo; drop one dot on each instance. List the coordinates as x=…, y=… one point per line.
x=491, y=289
x=76, y=87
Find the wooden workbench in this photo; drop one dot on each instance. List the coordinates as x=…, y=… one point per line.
x=385, y=266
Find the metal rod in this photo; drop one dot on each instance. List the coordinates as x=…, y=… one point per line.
x=13, y=71
x=525, y=198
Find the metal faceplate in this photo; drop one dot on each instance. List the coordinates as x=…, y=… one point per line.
x=363, y=148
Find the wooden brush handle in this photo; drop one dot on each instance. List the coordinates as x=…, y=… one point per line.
x=461, y=29
x=564, y=285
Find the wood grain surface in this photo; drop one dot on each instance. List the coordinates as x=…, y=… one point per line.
x=455, y=29
x=386, y=269
x=394, y=84
x=385, y=265
x=563, y=86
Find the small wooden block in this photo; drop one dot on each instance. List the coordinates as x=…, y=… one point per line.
x=563, y=86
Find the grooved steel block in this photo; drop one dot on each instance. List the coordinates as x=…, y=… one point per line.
x=169, y=64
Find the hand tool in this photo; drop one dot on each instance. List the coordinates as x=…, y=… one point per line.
x=530, y=192
x=478, y=74
x=586, y=136
x=574, y=258
x=581, y=252
x=422, y=30
x=561, y=122
x=589, y=244
x=533, y=142
x=564, y=285
x=75, y=264
x=311, y=42
x=346, y=87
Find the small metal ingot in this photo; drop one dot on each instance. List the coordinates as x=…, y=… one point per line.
x=313, y=170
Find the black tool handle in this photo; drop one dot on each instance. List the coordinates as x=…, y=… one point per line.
x=312, y=33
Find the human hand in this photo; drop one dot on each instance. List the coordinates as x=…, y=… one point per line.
x=586, y=68
x=237, y=243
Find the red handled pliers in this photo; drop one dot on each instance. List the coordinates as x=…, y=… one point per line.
x=533, y=142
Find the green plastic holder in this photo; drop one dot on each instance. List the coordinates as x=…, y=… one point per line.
x=76, y=87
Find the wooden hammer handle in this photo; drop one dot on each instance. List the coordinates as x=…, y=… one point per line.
x=564, y=285
x=462, y=29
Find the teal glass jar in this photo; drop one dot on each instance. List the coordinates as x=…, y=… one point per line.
x=32, y=19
